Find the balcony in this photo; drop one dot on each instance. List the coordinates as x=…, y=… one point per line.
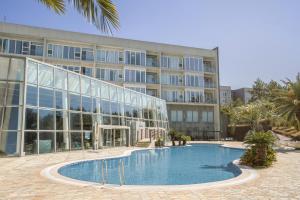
x=209, y=84
x=209, y=69
x=152, y=61
x=152, y=78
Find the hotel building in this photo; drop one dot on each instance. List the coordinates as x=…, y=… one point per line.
x=186, y=77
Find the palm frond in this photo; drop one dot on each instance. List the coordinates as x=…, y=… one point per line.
x=57, y=5
x=102, y=13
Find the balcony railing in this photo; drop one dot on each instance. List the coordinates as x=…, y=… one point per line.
x=151, y=62
x=209, y=85
x=152, y=81
x=209, y=69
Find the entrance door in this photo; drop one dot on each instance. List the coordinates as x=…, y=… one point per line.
x=107, y=137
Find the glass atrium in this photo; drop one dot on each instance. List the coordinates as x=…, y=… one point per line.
x=44, y=108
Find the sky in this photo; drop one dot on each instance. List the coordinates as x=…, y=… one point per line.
x=256, y=38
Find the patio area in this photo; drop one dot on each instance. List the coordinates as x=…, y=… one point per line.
x=20, y=179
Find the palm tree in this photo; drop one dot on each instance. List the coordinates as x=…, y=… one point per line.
x=102, y=13
x=288, y=101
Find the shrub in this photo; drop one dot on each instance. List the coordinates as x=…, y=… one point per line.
x=259, y=151
x=159, y=143
x=185, y=138
x=173, y=135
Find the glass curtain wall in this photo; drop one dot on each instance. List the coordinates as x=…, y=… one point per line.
x=62, y=107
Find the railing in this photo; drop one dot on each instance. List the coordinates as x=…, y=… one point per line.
x=209, y=85
x=209, y=69
x=104, y=172
x=121, y=172
x=151, y=62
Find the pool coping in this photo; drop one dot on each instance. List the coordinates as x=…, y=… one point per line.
x=247, y=174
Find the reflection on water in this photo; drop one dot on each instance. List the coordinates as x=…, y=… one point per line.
x=167, y=166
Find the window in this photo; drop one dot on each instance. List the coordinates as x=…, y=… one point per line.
x=207, y=116
x=74, y=102
x=73, y=83
x=76, y=141
x=192, y=116
x=176, y=115
x=87, y=122
x=61, y=100
x=36, y=49
x=87, y=54
x=87, y=71
x=46, y=142
x=194, y=96
x=137, y=76
x=32, y=72
x=109, y=56
x=16, y=72
x=173, y=62
x=60, y=79
x=30, y=143
x=86, y=104
x=31, y=97
x=135, y=58
x=45, y=75
x=31, y=119
x=4, y=63
x=194, y=81
x=75, y=121
x=46, y=98
x=13, y=94
x=85, y=86
x=105, y=107
x=193, y=64
x=62, y=141
x=46, y=120
x=11, y=118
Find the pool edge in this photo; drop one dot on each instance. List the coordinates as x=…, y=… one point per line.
x=247, y=174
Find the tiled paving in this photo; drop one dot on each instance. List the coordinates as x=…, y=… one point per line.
x=20, y=179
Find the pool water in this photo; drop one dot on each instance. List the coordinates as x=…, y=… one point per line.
x=197, y=163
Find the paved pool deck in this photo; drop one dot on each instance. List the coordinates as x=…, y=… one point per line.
x=20, y=179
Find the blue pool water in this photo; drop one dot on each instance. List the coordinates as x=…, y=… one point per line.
x=198, y=163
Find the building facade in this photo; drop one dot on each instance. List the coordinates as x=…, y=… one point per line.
x=187, y=78
x=225, y=95
x=44, y=108
x=244, y=94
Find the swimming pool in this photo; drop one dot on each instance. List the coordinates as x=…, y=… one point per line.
x=193, y=164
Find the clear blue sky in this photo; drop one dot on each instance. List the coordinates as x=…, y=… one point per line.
x=256, y=38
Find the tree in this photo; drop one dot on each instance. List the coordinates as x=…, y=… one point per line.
x=259, y=149
x=102, y=13
x=288, y=101
x=259, y=90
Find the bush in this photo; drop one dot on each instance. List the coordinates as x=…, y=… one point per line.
x=259, y=152
x=159, y=143
x=185, y=138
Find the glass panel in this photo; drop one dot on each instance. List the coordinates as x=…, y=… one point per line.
x=45, y=75
x=46, y=142
x=32, y=72
x=104, y=91
x=85, y=86
x=31, y=97
x=11, y=118
x=2, y=93
x=87, y=140
x=31, y=119
x=87, y=122
x=74, y=84
x=115, y=108
x=13, y=94
x=30, y=143
x=60, y=79
x=62, y=141
x=86, y=104
x=46, y=120
x=61, y=100
x=16, y=71
x=61, y=120
x=9, y=143
x=4, y=64
x=105, y=107
x=75, y=121
x=74, y=102
x=76, y=141
x=46, y=98
x=106, y=120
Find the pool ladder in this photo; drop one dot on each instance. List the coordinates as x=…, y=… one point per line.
x=104, y=172
x=121, y=172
